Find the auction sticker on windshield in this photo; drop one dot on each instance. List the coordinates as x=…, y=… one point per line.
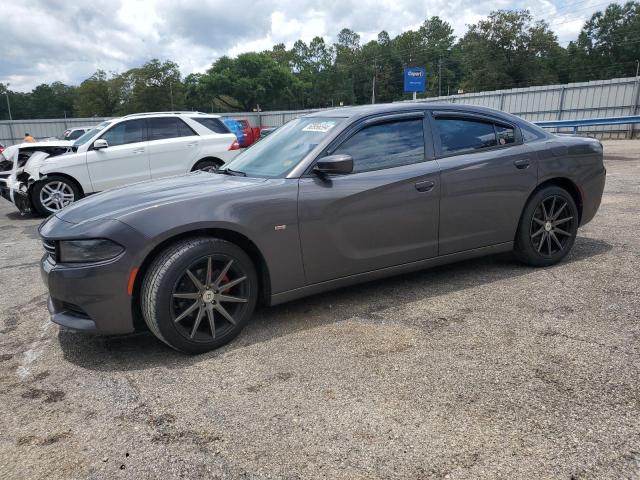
x=321, y=127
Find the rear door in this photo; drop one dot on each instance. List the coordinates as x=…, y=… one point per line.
x=486, y=174
x=385, y=213
x=173, y=146
x=124, y=161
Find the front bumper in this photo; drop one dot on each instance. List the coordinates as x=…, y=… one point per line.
x=91, y=297
x=9, y=190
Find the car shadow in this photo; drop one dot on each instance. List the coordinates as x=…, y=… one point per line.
x=142, y=350
x=23, y=216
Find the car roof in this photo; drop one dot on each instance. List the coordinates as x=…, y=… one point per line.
x=366, y=110
x=171, y=114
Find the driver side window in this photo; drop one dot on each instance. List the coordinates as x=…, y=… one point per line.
x=385, y=145
x=131, y=131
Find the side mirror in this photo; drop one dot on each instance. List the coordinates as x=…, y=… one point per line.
x=100, y=144
x=339, y=164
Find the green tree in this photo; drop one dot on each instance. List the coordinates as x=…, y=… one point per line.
x=98, y=96
x=155, y=86
x=251, y=80
x=608, y=45
x=508, y=49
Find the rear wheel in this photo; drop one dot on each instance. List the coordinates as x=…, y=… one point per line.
x=199, y=293
x=207, y=165
x=54, y=193
x=548, y=227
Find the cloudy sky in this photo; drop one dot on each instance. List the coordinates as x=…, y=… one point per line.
x=48, y=40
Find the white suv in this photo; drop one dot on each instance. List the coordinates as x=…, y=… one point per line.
x=116, y=152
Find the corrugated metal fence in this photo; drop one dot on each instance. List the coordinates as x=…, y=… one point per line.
x=617, y=97
x=601, y=98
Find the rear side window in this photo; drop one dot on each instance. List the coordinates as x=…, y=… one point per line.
x=463, y=135
x=131, y=131
x=184, y=130
x=386, y=145
x=168, y=127
x=214, y=124
x=505, y=135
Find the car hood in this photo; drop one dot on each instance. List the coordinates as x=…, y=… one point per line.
x=119, y=202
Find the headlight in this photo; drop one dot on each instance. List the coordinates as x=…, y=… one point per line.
x=87, y=251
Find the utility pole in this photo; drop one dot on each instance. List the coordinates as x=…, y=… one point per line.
x=171, y=94
x=6, y=92
x=637, y=67
x=440, y=76
x=373, y=85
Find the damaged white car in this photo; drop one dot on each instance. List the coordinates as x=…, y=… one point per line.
x=19, y=170
x=47, y=176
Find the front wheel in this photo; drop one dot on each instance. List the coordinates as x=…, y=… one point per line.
x=548, y=227
x=54, y=193
x=199, y=293
x=207, y=165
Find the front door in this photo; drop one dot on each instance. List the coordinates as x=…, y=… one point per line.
x=383, y=214
x=124, y=161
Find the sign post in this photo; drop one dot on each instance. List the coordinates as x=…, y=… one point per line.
x=415, y=80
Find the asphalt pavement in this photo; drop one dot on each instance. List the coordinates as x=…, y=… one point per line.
x=482, y=369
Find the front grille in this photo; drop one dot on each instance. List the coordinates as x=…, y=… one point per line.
x=51, y=248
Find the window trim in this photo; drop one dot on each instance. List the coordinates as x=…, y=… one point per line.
x=471, y=116
x=366, y=122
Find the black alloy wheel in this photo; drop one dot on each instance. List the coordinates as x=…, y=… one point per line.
x=199, y=293
x=552, y=226
x=208, y=297
x=548, y=227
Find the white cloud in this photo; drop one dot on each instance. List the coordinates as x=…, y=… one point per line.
x=48, y=40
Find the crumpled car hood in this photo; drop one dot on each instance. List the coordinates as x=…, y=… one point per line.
x=119, y=202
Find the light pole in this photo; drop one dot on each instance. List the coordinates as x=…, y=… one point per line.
x=6, y=92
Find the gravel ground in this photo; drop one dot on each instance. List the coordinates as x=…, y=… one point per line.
x=483, y=369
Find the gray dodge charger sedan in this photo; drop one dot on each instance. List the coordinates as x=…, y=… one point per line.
x=328, y=200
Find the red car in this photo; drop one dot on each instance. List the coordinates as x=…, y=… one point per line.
x=251, y=134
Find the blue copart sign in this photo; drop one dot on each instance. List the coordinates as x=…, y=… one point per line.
x=415, y=79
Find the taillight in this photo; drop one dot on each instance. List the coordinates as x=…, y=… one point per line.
x=235, y=145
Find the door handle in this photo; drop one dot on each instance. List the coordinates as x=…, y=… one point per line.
x=140, y=150
x=425, y=186
x=522, y=163
x=192, y=144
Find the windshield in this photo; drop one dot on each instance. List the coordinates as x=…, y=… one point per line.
x=278, y=153
x=90, y=134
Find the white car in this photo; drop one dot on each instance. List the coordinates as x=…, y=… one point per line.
x=48, y=176
x=74, y=133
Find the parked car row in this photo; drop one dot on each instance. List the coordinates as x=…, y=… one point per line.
x=47, y=176
x=330, y=199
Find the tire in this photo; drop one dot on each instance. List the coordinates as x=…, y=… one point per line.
x=43, y=194
x=169, y=293
x=550, y=212
x=207, y=165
